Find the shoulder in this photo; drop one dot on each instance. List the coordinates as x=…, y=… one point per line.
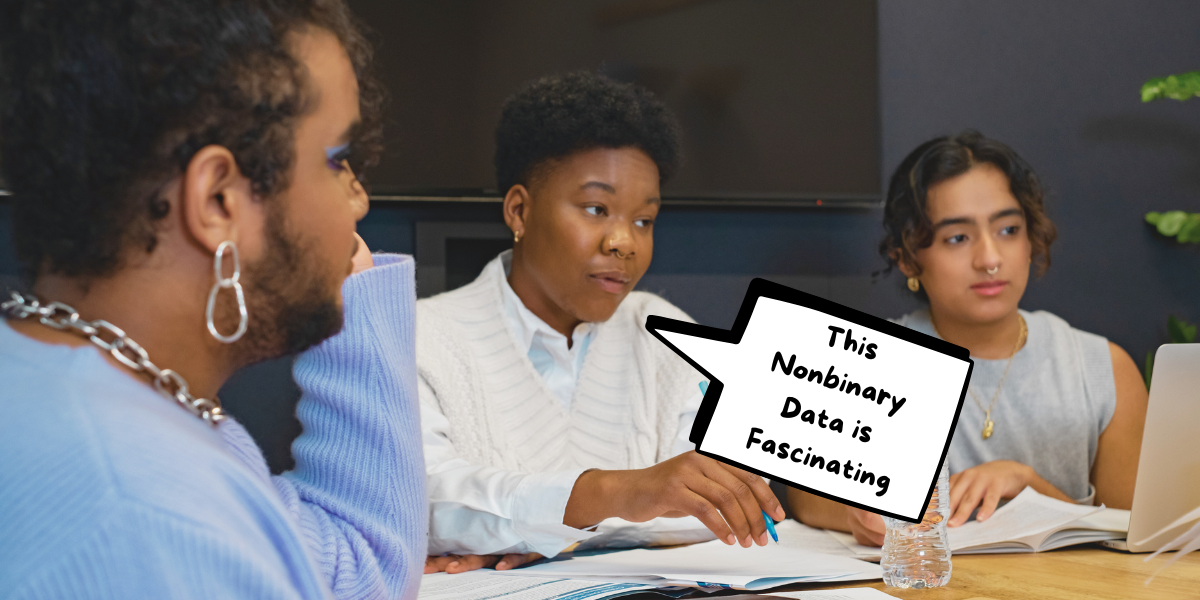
x=97, y=463
x=1059, y=332
x=470, y=302
x=917, y=320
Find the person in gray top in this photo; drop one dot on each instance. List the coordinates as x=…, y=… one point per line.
x=1049, y=406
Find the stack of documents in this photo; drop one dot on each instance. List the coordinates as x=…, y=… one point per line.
x=803, y=555
x=710, y=565
x=487, y=585
x=619, y=533
x=1030, y=522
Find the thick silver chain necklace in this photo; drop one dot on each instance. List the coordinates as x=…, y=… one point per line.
x=166, y=382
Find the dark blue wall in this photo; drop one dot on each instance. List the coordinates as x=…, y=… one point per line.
x=1056, y=80
x=1059, y=81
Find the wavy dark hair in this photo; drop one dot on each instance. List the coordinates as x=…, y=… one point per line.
x=102, y=102
x=906, y=218
x=558, y=115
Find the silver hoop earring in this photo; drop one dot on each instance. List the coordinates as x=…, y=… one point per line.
x=227, y=283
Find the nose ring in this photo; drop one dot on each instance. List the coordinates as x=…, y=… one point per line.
x=993, y=270
x=613, y=248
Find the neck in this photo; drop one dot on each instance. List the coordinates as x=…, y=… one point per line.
x=990, y=341
x=532, y=295
x=167, y=324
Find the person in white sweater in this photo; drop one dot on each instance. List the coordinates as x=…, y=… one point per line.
x=546, y=406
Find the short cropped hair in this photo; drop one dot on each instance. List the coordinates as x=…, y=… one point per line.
x=102, y=102
x=561, y=114
x=906, y=218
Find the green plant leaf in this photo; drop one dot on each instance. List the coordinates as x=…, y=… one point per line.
x=1171, y=222
x=1176, y=87
x=1180, y=331
x=1189, y=232
x=1153, y=217
x=1149, y=370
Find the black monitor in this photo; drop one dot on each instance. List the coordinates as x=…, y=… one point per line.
x=778, y=99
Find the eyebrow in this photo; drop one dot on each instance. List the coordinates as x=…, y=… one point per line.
x=600, y=185
x=1008, y=212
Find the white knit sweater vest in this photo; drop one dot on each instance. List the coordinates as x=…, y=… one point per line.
x=625, y=411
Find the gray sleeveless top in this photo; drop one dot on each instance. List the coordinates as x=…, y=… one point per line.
x=1058, y=397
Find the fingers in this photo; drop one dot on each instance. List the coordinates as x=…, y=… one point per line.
x=956, y=490
x=362, y=259
x=767, y=501
x=454, y=563
x=991, y=499
x=967, y=502
x=726, y=501
x=747, y=501
x=512, y=561
x=437, y=564
x=868, y=528
x=697, y=506
x=471, y=562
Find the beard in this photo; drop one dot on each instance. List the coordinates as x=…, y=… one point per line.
x=291, y=307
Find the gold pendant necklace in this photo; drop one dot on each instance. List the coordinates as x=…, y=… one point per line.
x=988, y=425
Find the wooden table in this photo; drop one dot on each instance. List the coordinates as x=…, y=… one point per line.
x=1089, y=573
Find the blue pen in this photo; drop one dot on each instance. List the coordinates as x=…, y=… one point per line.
x=770, y=526
x=766, y=517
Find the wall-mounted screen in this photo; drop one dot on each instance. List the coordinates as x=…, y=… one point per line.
x=778, y=99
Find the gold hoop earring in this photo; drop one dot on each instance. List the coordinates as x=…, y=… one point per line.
x=914, y=284
x=516, y=237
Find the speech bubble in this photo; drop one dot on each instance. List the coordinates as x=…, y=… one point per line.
x=825, y=398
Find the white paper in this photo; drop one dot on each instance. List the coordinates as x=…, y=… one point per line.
x=843, y=594
x=487, y=584
x=794, y=534
x=756, y=567
x=856, y=549
x=619, y=533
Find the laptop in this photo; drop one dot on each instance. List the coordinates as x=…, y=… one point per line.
x=1168, y=477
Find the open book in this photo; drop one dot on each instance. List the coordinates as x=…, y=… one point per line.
x=1030, y=522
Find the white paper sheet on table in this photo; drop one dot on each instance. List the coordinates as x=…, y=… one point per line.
x=844, y=594
x=757, y=567
x=486, y=585
x=619, y=533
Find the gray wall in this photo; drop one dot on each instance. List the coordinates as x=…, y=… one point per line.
x=1056, y=80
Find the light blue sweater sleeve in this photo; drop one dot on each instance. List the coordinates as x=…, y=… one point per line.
x=358, y=489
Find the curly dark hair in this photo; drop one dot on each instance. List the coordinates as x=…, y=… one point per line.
x=906, y=219
x=102, y=102
x=561, y=114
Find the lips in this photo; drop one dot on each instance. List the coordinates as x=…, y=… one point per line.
x=989, y=288
x=613, y=282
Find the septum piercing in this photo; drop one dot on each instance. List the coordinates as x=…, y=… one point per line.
x=993, y=270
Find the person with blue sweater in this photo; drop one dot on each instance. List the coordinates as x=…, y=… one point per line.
x=185, y=204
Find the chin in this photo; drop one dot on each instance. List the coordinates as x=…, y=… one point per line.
x=598, y=312
x=991, y=310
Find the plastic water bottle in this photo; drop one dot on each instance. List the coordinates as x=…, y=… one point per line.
x=917, y=555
